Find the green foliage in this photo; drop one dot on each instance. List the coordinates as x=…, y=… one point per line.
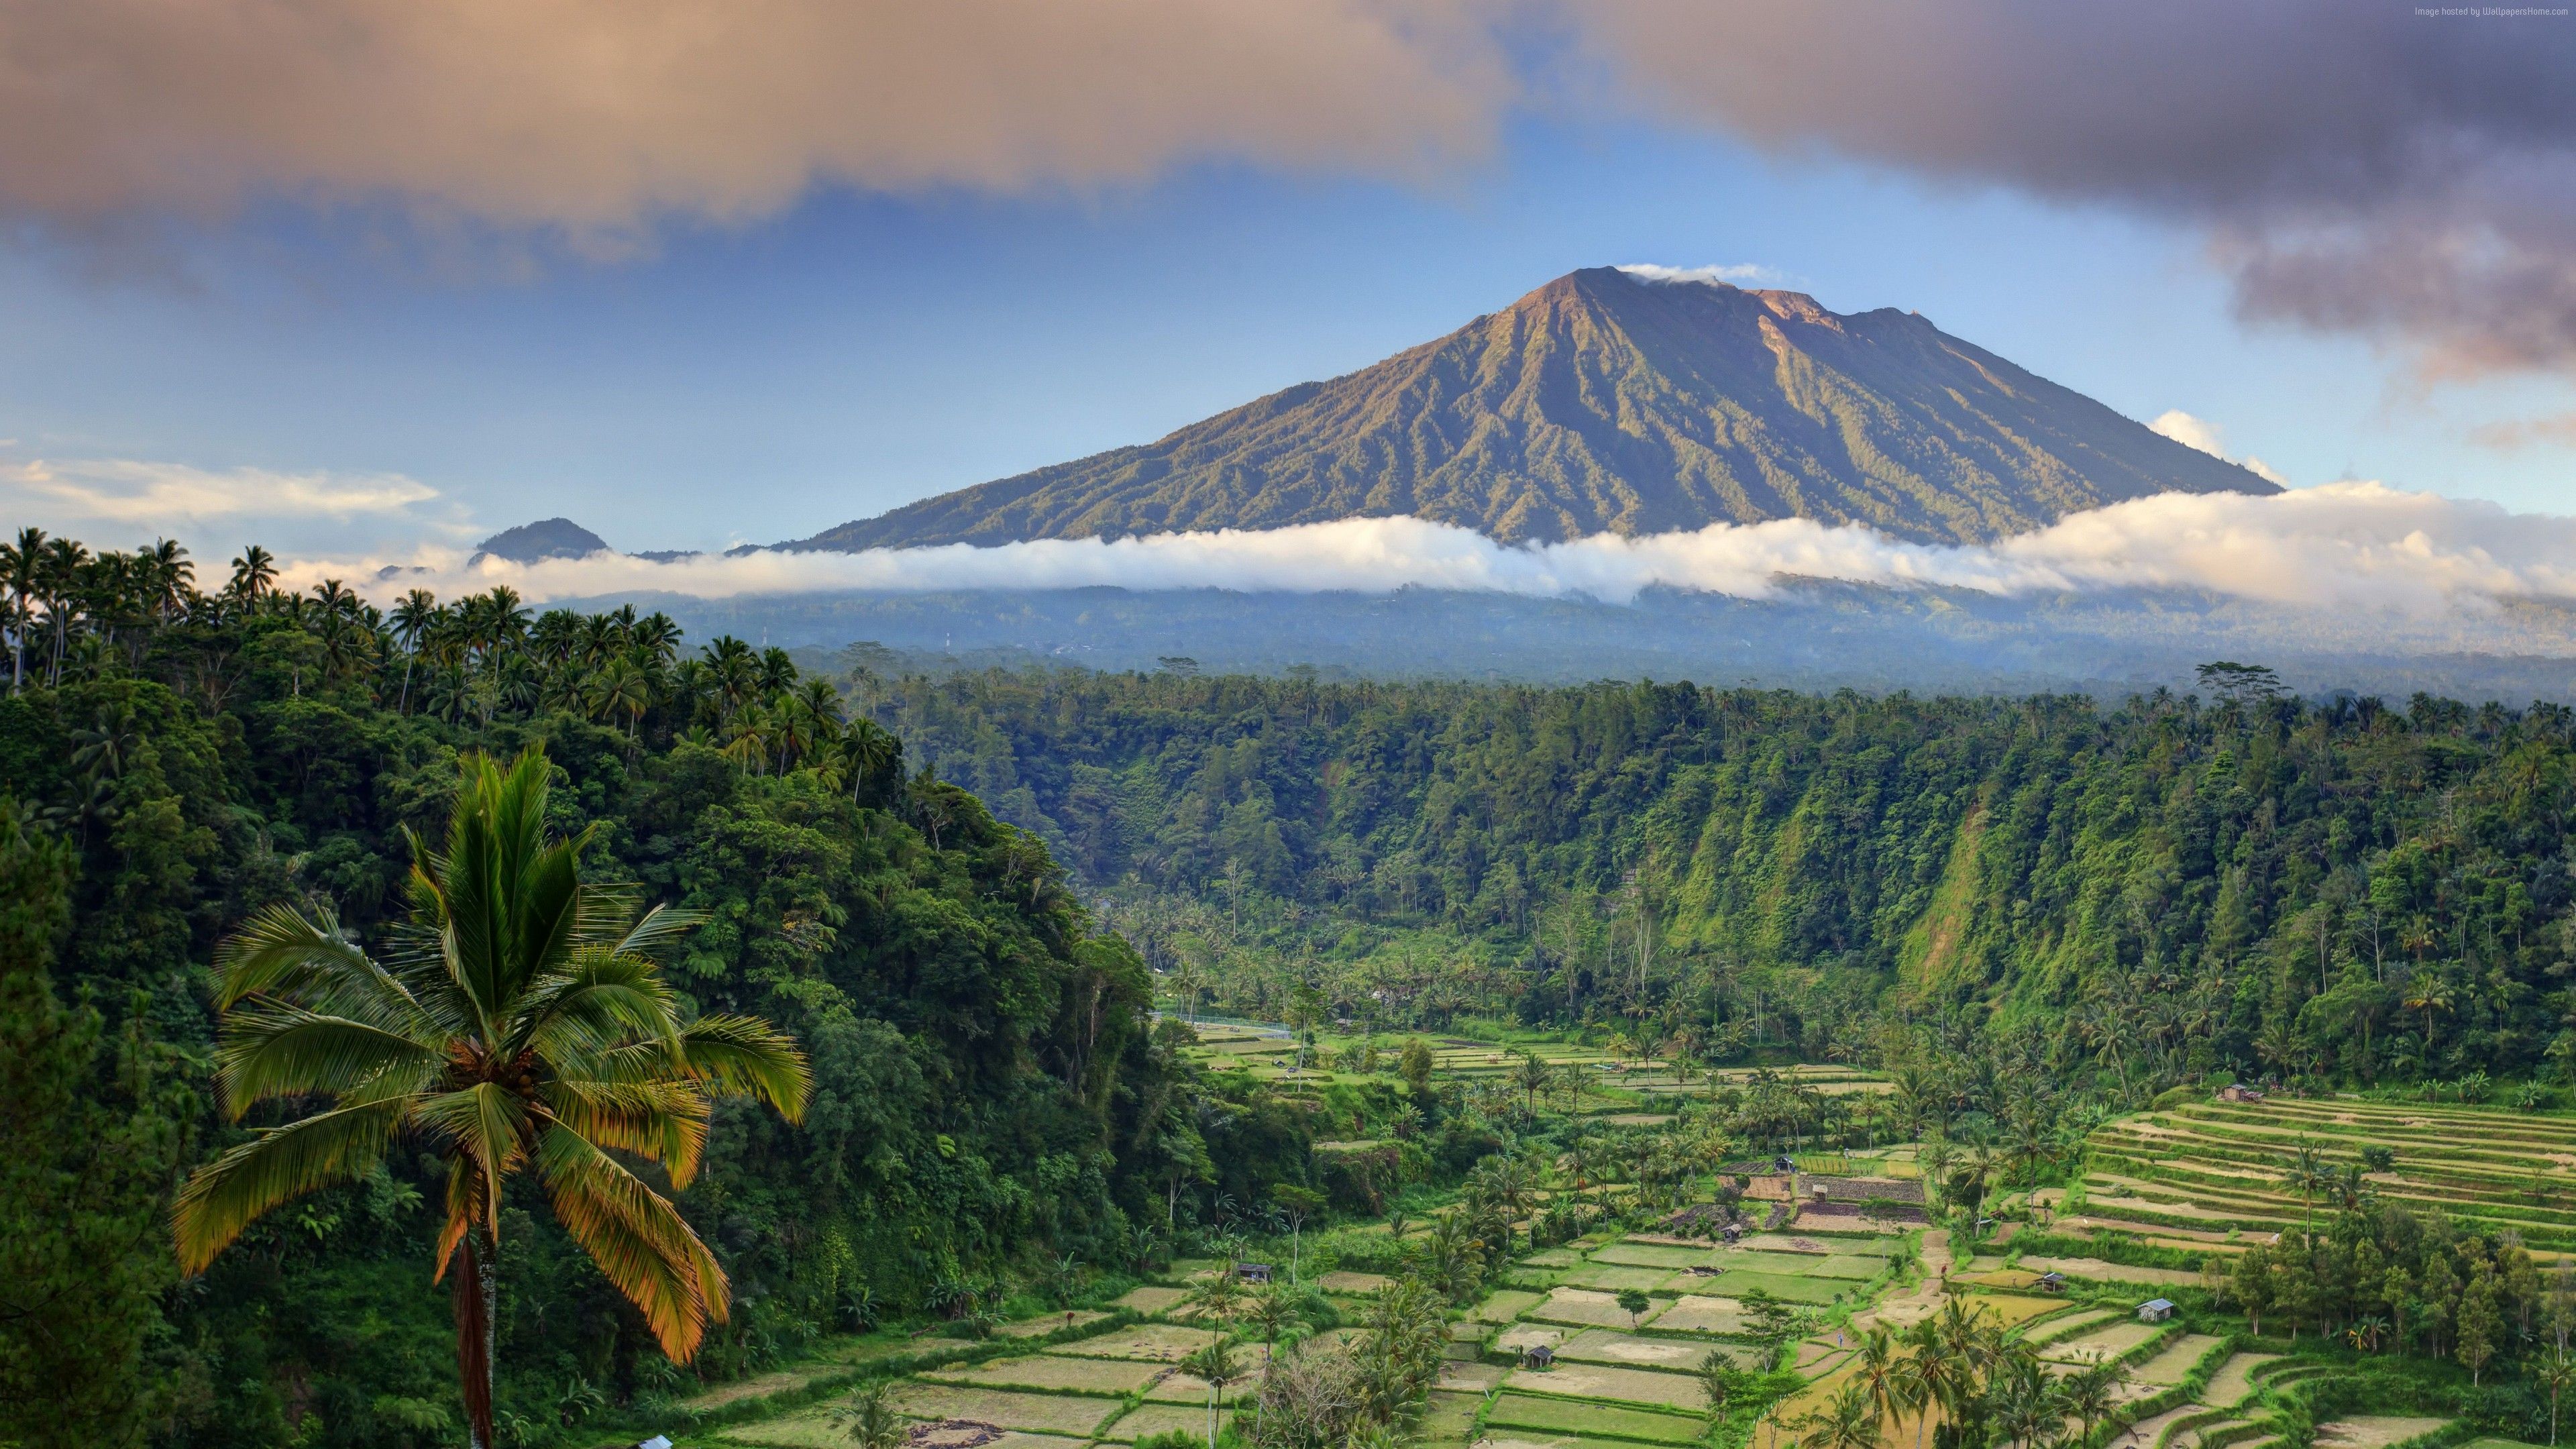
x=2164, y=890
x=91, y=1131
x=988, y=1096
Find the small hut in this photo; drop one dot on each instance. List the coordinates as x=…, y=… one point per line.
x=1252, y=1272
x=2155, y=1310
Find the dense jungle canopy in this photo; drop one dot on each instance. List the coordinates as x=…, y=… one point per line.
x=955, y=893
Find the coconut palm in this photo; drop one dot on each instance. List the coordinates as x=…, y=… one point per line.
x=872, y=1419
x=1216, y=1364
x=520, y=1023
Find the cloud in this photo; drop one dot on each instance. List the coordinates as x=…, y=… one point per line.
x=2355, y=167
x=2348, y=547
x=2408, y=173
x=1739, y=274
x=124, y=491
x=2558, y=431
x=598, y=119
x=2200, y=433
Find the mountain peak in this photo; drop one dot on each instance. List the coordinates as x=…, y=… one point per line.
x=1615, y=400
x=544, y=539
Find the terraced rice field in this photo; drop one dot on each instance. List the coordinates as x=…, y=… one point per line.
x=2212, y=1175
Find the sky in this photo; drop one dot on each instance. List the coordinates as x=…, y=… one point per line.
x=247, y=296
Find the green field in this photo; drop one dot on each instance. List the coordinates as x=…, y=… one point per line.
x=2196, y=1174
x=1523, y=1411
x=1808, y=1290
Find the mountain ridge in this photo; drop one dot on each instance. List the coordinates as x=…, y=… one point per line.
x=1603, y=402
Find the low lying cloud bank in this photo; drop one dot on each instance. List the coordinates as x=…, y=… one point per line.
x=2343, y=546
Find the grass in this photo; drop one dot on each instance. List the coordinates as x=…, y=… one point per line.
x=1045, y=1413
x=1601, y=1345
x=1521, y=1411
x=1154, y=1342
x=1050, y=1374
x=1506, y=1305
x=1604, y=1381
x=1696, y=1313
x=1613, y=1277
x=1653, y=1255
x=2374, y=1431
x=1147, y=1420
x=1447, y=1418
x=1807, y=1290
x=2225, y=1164
x=1581, y=1305
x=2109, y=1342
x=1786, y=1264
x=1151, y=1299
x=2233, y=1384
x=2174, y=1362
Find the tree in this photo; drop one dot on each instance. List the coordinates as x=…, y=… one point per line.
x=1415, y=1065
x=1296, y=1204
x=521, y=1023
x=1634, y=1304
x=872, y=1419
x=2481, y=1327
x=2091, y=1392
x=82, y=1171
x=2251, y=1284
x=1719, y=1381
x=1215, y=1363
x=1768, y=1319
x=1848, y=1421
x=2554, y=1371
x=1533, y=1076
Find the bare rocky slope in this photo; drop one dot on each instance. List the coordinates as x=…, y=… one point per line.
x=1604, y=402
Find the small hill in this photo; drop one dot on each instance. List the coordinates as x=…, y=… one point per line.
x=546, y=538
x=1609, y=402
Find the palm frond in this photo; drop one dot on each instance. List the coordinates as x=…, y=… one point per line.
x=665, y=1121
x=279, y=951
x=488, y=1127
x=283, y=1051
x=660, y=926
x=546, y=901
x=745, y=1056
x=638, y=1239
x=596, y=1002
x=221, y=1198
x=465, y=1208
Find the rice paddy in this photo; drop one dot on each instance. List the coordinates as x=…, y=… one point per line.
x=2212, y=1175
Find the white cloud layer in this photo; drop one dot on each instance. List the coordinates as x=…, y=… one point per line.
x=2344, y=546
x=167, y=495
x=1740, y=274
x=2203, y=434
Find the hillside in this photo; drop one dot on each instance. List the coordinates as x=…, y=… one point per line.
x=1606, y=403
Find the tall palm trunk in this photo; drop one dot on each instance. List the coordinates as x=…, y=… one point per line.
x=475, y=1291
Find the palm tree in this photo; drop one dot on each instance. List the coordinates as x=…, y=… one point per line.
x=1533, y=1076
x=1849, y=1421
x=412, y=620
x=2554, y=1371
x=621, y=689
x=2090, y=1393
x=253, y=572
x=1216, y=1364
x=873, y=1420
x=520, y=1023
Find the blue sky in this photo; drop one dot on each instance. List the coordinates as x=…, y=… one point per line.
x=762, y=381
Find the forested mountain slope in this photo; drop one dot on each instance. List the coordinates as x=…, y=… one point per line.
x=1605, y=402
x=2365, y=890
x=986, y=1094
